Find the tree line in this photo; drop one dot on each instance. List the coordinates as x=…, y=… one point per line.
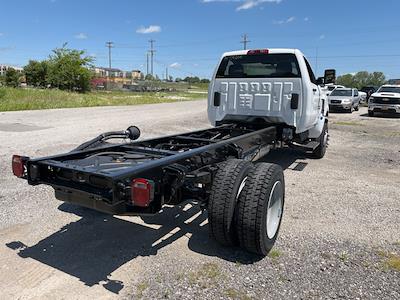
x=66, y=69
x=361, y=79
x=69, y=69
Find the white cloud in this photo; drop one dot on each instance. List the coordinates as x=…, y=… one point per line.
x=285, y=21
x=150, y=29
x=306, y=19
x=175, y=65
x=245, y=4
x=322, y=37
x=81, y=36
x=1, y=34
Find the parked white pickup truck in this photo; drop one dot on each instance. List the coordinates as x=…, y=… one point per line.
x=271, y=86
x=385, y=100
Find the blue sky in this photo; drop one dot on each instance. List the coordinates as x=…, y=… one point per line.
x=190, y=35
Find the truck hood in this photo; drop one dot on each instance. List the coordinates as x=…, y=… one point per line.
x=386, y=95
x=339, y=98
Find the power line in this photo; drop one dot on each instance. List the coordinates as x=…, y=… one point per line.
x=244, y=41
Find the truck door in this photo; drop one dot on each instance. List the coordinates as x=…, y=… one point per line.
x=315, y=95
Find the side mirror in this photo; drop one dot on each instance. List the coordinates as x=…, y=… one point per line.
x=330, y=76
x=320, y=81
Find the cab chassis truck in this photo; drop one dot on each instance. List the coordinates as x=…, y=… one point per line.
x=214, y=166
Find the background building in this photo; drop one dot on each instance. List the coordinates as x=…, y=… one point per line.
x=4, y=68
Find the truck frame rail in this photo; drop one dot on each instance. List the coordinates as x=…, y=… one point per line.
x=107, y=177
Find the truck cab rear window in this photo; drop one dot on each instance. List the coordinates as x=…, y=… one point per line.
x=259, y=66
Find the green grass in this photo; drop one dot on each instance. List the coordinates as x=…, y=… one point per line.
x=343, y=256
x=348, y=123
x=232, y=293
x=140, y=288
x=274, y=254
x=208, y=271
x=32, y=99
x=391, y=260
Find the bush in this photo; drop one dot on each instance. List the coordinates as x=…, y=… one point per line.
x=36, y=73
x=68, y=70
x=2, y=93
x=12, y=78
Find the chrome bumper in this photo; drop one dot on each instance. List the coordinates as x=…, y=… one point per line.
x=384, y=107
x=340, y=105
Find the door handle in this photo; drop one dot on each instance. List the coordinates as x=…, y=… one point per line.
x=314, y=90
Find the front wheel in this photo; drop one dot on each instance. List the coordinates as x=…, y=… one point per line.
x=370, y=113
x=260, y=208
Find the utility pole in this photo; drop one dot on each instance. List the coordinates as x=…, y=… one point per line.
x=109, y=45
x=166, y=74
x=316, y=61
x=152, y=55
x=147, y=63
x=245, y=41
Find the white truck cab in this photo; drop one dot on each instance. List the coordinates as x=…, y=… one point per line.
x=275, y=86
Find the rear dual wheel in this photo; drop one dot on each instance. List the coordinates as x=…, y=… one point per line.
x=227, y=186
x=246, y=205
x=320, y=151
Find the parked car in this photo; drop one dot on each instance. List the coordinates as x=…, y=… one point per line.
x=386, y=99
x=344, y=99
x=363, y=97
x=331, y=87
x=369, y=90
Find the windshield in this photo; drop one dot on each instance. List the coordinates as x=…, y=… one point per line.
x=341, y=93
x=367, y=89
x=259, y=66
x=331, y=88
x=389, y=89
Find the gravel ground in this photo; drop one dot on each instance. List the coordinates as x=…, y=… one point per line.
x=340, y=236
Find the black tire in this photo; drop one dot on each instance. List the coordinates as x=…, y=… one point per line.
x=357, y=108
x=252, y=209
x=320, y=151
x=370, y=113
x=223, y=199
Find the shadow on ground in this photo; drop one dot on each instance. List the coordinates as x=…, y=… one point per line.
x=383, y=115
x=96, y=245
x=287, y=158
x=93, y=247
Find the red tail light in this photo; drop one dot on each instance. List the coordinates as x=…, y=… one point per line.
x=258, y=51
x=18, y=165
x=142, y=192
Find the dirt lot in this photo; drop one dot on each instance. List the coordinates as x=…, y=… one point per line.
x=340, y=236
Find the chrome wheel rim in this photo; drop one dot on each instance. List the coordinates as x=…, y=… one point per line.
x=274, y=212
